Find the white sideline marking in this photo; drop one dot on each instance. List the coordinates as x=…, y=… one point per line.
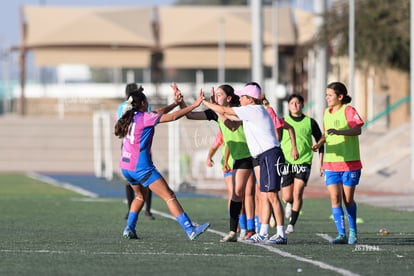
x=67, y=186
x=278, y=251
x=324, y=236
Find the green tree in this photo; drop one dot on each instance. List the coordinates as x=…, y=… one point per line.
x=382, y=32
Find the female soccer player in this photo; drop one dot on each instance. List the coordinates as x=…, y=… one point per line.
x=297, y=172
x=342, y=165
x=263, y=145
x=136, y=127
x=243, y=179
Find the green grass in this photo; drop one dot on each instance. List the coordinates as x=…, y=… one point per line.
x=45, y=230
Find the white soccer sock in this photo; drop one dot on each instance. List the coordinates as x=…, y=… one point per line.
x=281, y=231
x=264, y=229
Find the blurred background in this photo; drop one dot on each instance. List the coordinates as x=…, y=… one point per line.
x=65, y=64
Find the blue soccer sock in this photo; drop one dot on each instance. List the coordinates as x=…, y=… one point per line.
x=132, y=220
x=185, y=222
x=338, y=215
x=250, y=224
x=242, y=222
x=352, y=216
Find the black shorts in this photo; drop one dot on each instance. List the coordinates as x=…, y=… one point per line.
x=255, y=162
x=245, y=163
x=271, y=167
x=292, y=171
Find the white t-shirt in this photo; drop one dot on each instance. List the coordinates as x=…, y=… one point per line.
x=258, y=128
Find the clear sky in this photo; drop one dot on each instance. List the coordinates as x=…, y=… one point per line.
x=10, y=18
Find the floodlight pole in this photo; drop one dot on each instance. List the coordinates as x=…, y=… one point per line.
x=321, y=64
x=5, y=52
x=412, y=85
x=221, y=51
x=22, y=63
x=257, y=41
x=174, y=155
x=275, y=44
x=351, y=88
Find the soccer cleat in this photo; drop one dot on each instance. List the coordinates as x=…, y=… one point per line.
x=198, y=230
x=230, y=237
x=353, y=239
x=130, y=234
x=276, y=239
x=272, y=221
x=288, y=210
x=340, y=239
x=149, y=215
x=249, y=234
x=257, y=238
x=289, y=229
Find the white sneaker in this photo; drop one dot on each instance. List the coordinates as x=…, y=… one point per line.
x=289, y=229
x=276, y=239
x=272, y=221
x=230, y=237
x=242, y=234
x=288, y=210
x=257, y=238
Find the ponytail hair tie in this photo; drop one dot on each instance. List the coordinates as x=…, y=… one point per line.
x=127, y=106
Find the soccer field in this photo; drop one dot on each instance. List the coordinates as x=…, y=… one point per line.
x=47, y=230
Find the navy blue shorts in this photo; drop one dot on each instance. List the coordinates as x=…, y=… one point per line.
x=271, y=167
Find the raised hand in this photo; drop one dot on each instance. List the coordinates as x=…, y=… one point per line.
x=213, y=96
x=178, y=97
x=200, y=98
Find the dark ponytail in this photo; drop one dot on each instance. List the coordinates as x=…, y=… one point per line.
x=229, y=90
x=129, y=88
x=122, y=125
x=340, y=89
